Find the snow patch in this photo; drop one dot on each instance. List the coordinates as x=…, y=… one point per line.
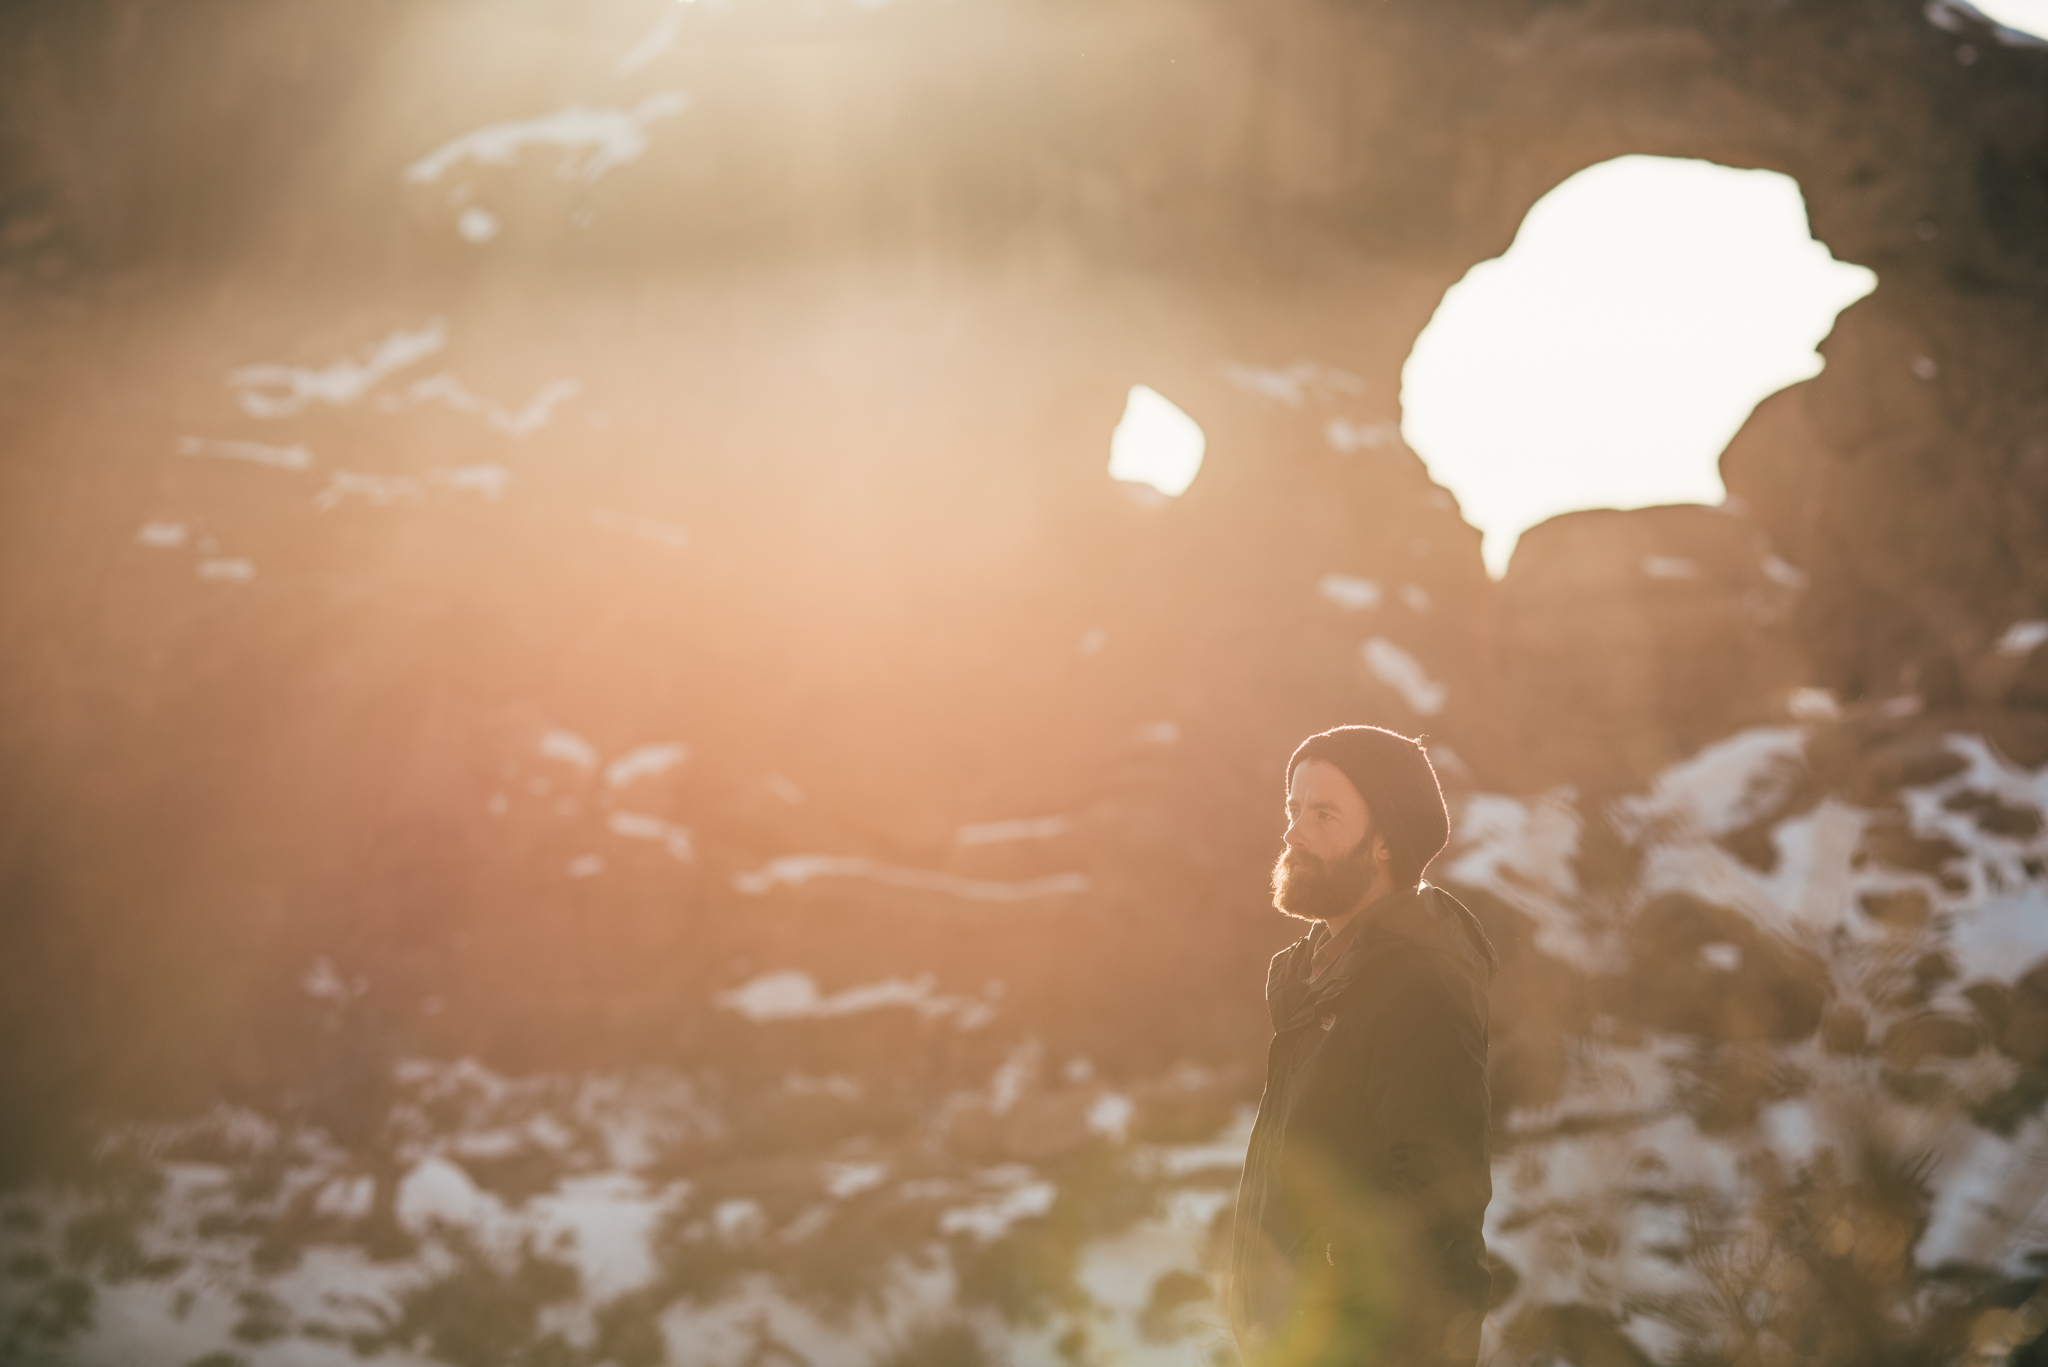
x=1110, y=1116
x=663, y=533
x=1813, y=704
x=1815, y=876
x=323, y=983
x=476, y=224
x=843, y=1181
x=1020, y=828
x=568, y=747
x=279, y=391
x=254, y=452
x=520, y=422
x=1783, y=574
x=638, y=826
x=347, y=1198
x=645, y=761
x=1525, y=852
x=1999, y=925
x=656, y=41
x=789, y=994
x=592, y=141
x=1290, y=385
x=227, y=569
x=610, y=1218
x=1006, y=1085
x=379, y=491
x=490, y=481
x=1721, y=956
x=991, y=1220
x=739, y=1220
x=1400, y=671
x=1670, y=567
x=1361, y=436
x=161, y=536
x=797, y=869
x=1224, y=1153
x=438, y=1191
x=2021, y=638
x=1349, y=592
x=1723, y=788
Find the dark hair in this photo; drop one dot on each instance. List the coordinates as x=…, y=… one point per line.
x=1394, y=776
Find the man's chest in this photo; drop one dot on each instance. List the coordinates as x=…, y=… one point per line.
x=1327, y=1067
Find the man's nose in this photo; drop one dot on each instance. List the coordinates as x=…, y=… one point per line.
x=1293, y=836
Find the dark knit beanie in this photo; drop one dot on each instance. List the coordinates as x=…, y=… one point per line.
x=1394, y=776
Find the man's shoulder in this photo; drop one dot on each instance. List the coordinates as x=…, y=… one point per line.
x=1435, y=928
x=1410, y=977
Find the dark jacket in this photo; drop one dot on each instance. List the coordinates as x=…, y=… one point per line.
x=1358, y=1218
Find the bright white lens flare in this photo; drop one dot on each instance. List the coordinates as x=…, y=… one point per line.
x=1605, y=361
x=1156, y=444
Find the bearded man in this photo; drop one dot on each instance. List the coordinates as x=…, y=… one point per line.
x=1357, y=1238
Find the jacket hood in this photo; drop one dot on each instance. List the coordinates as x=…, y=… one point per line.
x=1438, y=921
x=1430, y=918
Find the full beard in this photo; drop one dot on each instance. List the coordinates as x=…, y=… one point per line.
x=1314, y=889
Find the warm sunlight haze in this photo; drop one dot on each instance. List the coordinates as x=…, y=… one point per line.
x=1606, y=360
x=613, y=753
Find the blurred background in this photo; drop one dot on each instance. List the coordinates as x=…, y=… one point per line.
x=647, y=651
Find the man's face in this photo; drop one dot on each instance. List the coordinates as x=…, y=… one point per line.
x=1332, y=848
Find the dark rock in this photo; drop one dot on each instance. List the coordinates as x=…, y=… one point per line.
x=1573, y=1333
x=1606, y=860
x=1907, y=909
x=2004, y=1111
x=1930, y=972
x=1539, y=1005
x=1995, y=816
x=1638, y=636
x=1994, y=1009
x=2026, y=1030
x=1890, y=841
x=1922, y=1037
x=1926, y=1088
x=1186, y=1107
x=1505, y=1280
x=1172, y=1291
x=1755, y=844
x=1725, y=1086
x=2021, y=737
x=2029, y=691
x=1913, y=761
x=1844, y=1029
x=1773, y=990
